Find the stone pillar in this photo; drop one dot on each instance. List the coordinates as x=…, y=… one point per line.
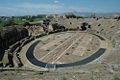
x=10, y=58
x=5, y=58
x=15, y=60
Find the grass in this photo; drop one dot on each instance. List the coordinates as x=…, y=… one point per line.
x=22, y=21
x=116, y=78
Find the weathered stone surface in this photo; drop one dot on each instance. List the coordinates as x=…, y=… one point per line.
x=10, y=35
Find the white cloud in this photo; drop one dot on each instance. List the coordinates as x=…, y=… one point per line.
x=79, y=9
x=32, y=8
x=38, y=6
x=56, y=1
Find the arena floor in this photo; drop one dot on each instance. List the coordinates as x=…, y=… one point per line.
x=64, y=48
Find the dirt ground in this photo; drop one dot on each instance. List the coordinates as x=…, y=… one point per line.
x=67, y=47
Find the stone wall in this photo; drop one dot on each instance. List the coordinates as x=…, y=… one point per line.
x=9, y=36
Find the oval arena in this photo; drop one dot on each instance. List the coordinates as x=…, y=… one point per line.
x=63, y=49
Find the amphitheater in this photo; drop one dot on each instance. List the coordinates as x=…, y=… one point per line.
x=68, y=49
x=64, y=49
x=92, y=51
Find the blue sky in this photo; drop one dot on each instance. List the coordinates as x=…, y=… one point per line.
x=33, y=7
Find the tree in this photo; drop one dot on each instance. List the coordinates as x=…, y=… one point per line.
x=31, y=20
x=89, y=26
x=83, y=26
x=78, y=17
x=0, y=20
x=46, y=22
x=26, y=24
x=116, y=78
x=58, y=27
x=9, y=22
x=70, y=15
x=118, y=18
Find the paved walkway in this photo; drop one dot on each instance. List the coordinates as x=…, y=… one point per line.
x=34, y=63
